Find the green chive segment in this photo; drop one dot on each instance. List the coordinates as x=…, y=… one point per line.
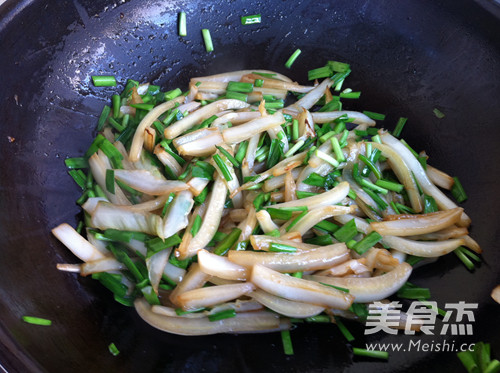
x=207, y=39
x=37, y=320
x=293, y=57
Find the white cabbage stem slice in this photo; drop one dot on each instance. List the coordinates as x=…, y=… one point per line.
x=144, y=181
x=408, y=225
x=146, y=122
x=221, y=266
x=298, y=289
x=201, y=114
x=322, y=257
x=212, y=295
x=286, y=307
x=372, y=288
x=246, y=322
x=78, y=245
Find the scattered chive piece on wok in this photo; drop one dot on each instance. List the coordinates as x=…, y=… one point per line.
x=113, y=349
x=293, y=57
x=207, y=39
x=370, y=353
x=374, y=116
x=347, y=334
x=182, y=24
x=438, y=113
x=287, y=342
x=37, y=320
x=251, y=19
x=399, y=127
x=104, y=81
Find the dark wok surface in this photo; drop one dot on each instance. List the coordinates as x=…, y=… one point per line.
x=407, y=58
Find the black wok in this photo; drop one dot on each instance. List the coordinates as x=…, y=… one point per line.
x=408, y=58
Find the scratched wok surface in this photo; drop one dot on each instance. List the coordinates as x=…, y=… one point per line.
x=407, y=59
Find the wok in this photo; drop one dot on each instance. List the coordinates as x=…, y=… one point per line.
x=408, y=57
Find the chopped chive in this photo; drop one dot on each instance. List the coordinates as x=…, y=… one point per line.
x=258, y=83
x=115, y=124
x=150, y=295
x=229, y=157
x=360, y=310
x=287, y=342
x=340, y=67
x=242, y=149
x=275, y=153
x=116, y=101
x=277, y=104
x=222, y=167
x=157, y=244
x=374, y=116
x=259, y=201
x=344, y=290
x=113, y=349
x=295, y=129
x=37, y=320
x=274, y=233
x=170, y=95
x=367, y=242
x=196, y=225
x=265, y=75
x=106, y=110
x=457, y=190
x=347, y=232
x=301, y=194
x=182, y=24
x=79, y=178
x=470, y=254
x=430, y=204
x=411, y=291
x=118, y=235
x=327, y=226
x=320, y=72
x=323, y=240
x=438, y=113
x=463, y=258
x=399, y=127
x=379, y=201
x=402, y=208
x=112, y=282
x=77, y=162
x=251, y=19
x=294, y=148
x=228, y=241
x=207, y=39
x=279, y=213
x=236, y=96
x=350, y=94
x=226, y=314
x=369, y=163
x=296, y=220
x=327, y=158
x=293, y=57
x=110, y=180
x=143, y=106
x=337, y=150
x=240, y=87
x=390, y=185
x=315, y=180
x=394, y=207
x=347, y=334
x=370, y=353
x=282, y=248
x=104, y=81
x=413, y=259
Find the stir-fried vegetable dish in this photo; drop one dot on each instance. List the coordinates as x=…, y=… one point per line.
x=250, y=202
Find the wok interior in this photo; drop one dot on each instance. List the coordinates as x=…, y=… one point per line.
x=406, y=58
